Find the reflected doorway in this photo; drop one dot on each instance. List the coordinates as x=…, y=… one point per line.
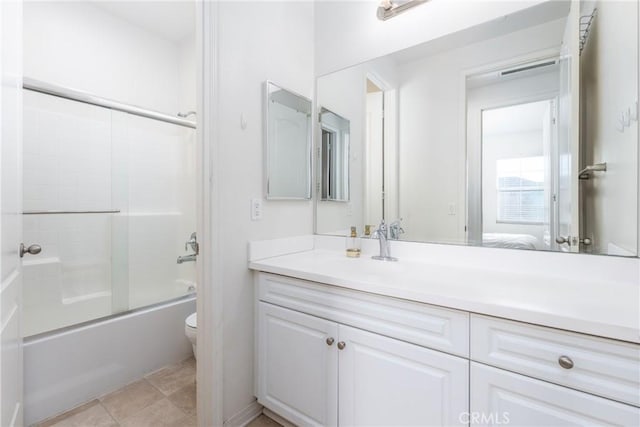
x=518, y=176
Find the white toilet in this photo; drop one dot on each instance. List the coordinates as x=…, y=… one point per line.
x=190, y=330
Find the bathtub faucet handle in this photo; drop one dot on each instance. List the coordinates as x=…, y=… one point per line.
x=193, y=243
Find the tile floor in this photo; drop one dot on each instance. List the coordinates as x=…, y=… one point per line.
x=166, y=397
x=263, y=421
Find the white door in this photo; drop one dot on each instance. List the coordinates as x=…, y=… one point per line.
x=568, y=203
x=10, y=207
x=374, y=184
x=388, y=382
x=549, y=138
x=297, y=366
x=500, y=397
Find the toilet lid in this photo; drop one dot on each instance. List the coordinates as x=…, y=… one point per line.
x=191, y=321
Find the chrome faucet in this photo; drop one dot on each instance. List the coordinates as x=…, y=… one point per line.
x=382, y=236
x=395, y=230
x=186, y=258
x=195, y=247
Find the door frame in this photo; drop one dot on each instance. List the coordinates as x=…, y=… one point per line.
x=474, y=133
x=11, y=276
x=464, y=182
x=209, y=266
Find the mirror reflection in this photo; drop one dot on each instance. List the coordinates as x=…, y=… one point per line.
x=334, y=155
x=521, y=133
x=288, y=144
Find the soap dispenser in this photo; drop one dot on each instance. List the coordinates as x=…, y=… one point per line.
x=353, y=244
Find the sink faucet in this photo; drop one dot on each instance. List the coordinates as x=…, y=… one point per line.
x=382, y=236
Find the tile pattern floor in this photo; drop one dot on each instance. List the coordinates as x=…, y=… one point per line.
x=263, y=421
x=164, y=398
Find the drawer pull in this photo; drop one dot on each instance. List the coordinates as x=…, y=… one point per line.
x=341, y=345
x=565, y=362
x=330, y=341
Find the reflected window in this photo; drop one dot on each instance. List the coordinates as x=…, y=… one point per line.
x=520, y=188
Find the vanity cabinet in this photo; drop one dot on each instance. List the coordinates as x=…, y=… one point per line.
x=546, y=377
x=599, y=366
x=500, y=397
x=315, y=371
x=333, y=356
x=297, y=365
x=384, y=381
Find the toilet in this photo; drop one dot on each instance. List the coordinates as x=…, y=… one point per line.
x=190, y=330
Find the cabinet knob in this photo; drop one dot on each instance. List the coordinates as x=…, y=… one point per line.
x=341, y=345
x=565, y=362
x=330, y=341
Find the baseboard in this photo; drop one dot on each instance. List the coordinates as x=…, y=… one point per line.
x=245, y=416
x=277, y=418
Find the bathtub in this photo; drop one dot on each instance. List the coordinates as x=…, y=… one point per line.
x=63, y=369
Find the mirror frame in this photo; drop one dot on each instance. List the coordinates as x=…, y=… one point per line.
x=267, y=143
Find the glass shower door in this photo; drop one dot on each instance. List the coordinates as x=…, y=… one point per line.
x=68, y=211
x=110, y=197
x=155, y=180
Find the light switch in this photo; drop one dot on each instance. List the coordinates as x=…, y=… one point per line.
x=256, y=209
x=452, y=209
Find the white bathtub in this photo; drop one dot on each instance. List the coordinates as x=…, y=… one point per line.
x=67, y=368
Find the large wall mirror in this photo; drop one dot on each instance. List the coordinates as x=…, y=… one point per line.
x=287, y=129
x=520, y=133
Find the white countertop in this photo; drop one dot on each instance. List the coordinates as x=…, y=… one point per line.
x=608, y=309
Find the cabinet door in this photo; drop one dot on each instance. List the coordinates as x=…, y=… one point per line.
x=388, y=382
x=297, y=368
x=500, y=397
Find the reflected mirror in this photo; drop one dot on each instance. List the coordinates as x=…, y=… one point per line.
x=519, y=133
x=287, y=144
x=334, y=156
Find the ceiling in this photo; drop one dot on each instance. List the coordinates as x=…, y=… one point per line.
x=171, y=20
x=533, y=16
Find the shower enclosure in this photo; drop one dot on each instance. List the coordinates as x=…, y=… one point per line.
x=109, y=195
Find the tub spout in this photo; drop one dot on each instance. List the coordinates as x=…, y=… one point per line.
x=186, y=258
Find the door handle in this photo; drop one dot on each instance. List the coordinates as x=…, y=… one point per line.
x=31, y=250
x=561, y=240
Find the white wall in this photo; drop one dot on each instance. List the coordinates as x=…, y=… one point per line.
x=256, y=41
x=80, y=45
x=187, y=73
x=610, y=76
x=347, y=33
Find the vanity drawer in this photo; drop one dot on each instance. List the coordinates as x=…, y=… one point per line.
x=425, y=325
x=599, y=366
